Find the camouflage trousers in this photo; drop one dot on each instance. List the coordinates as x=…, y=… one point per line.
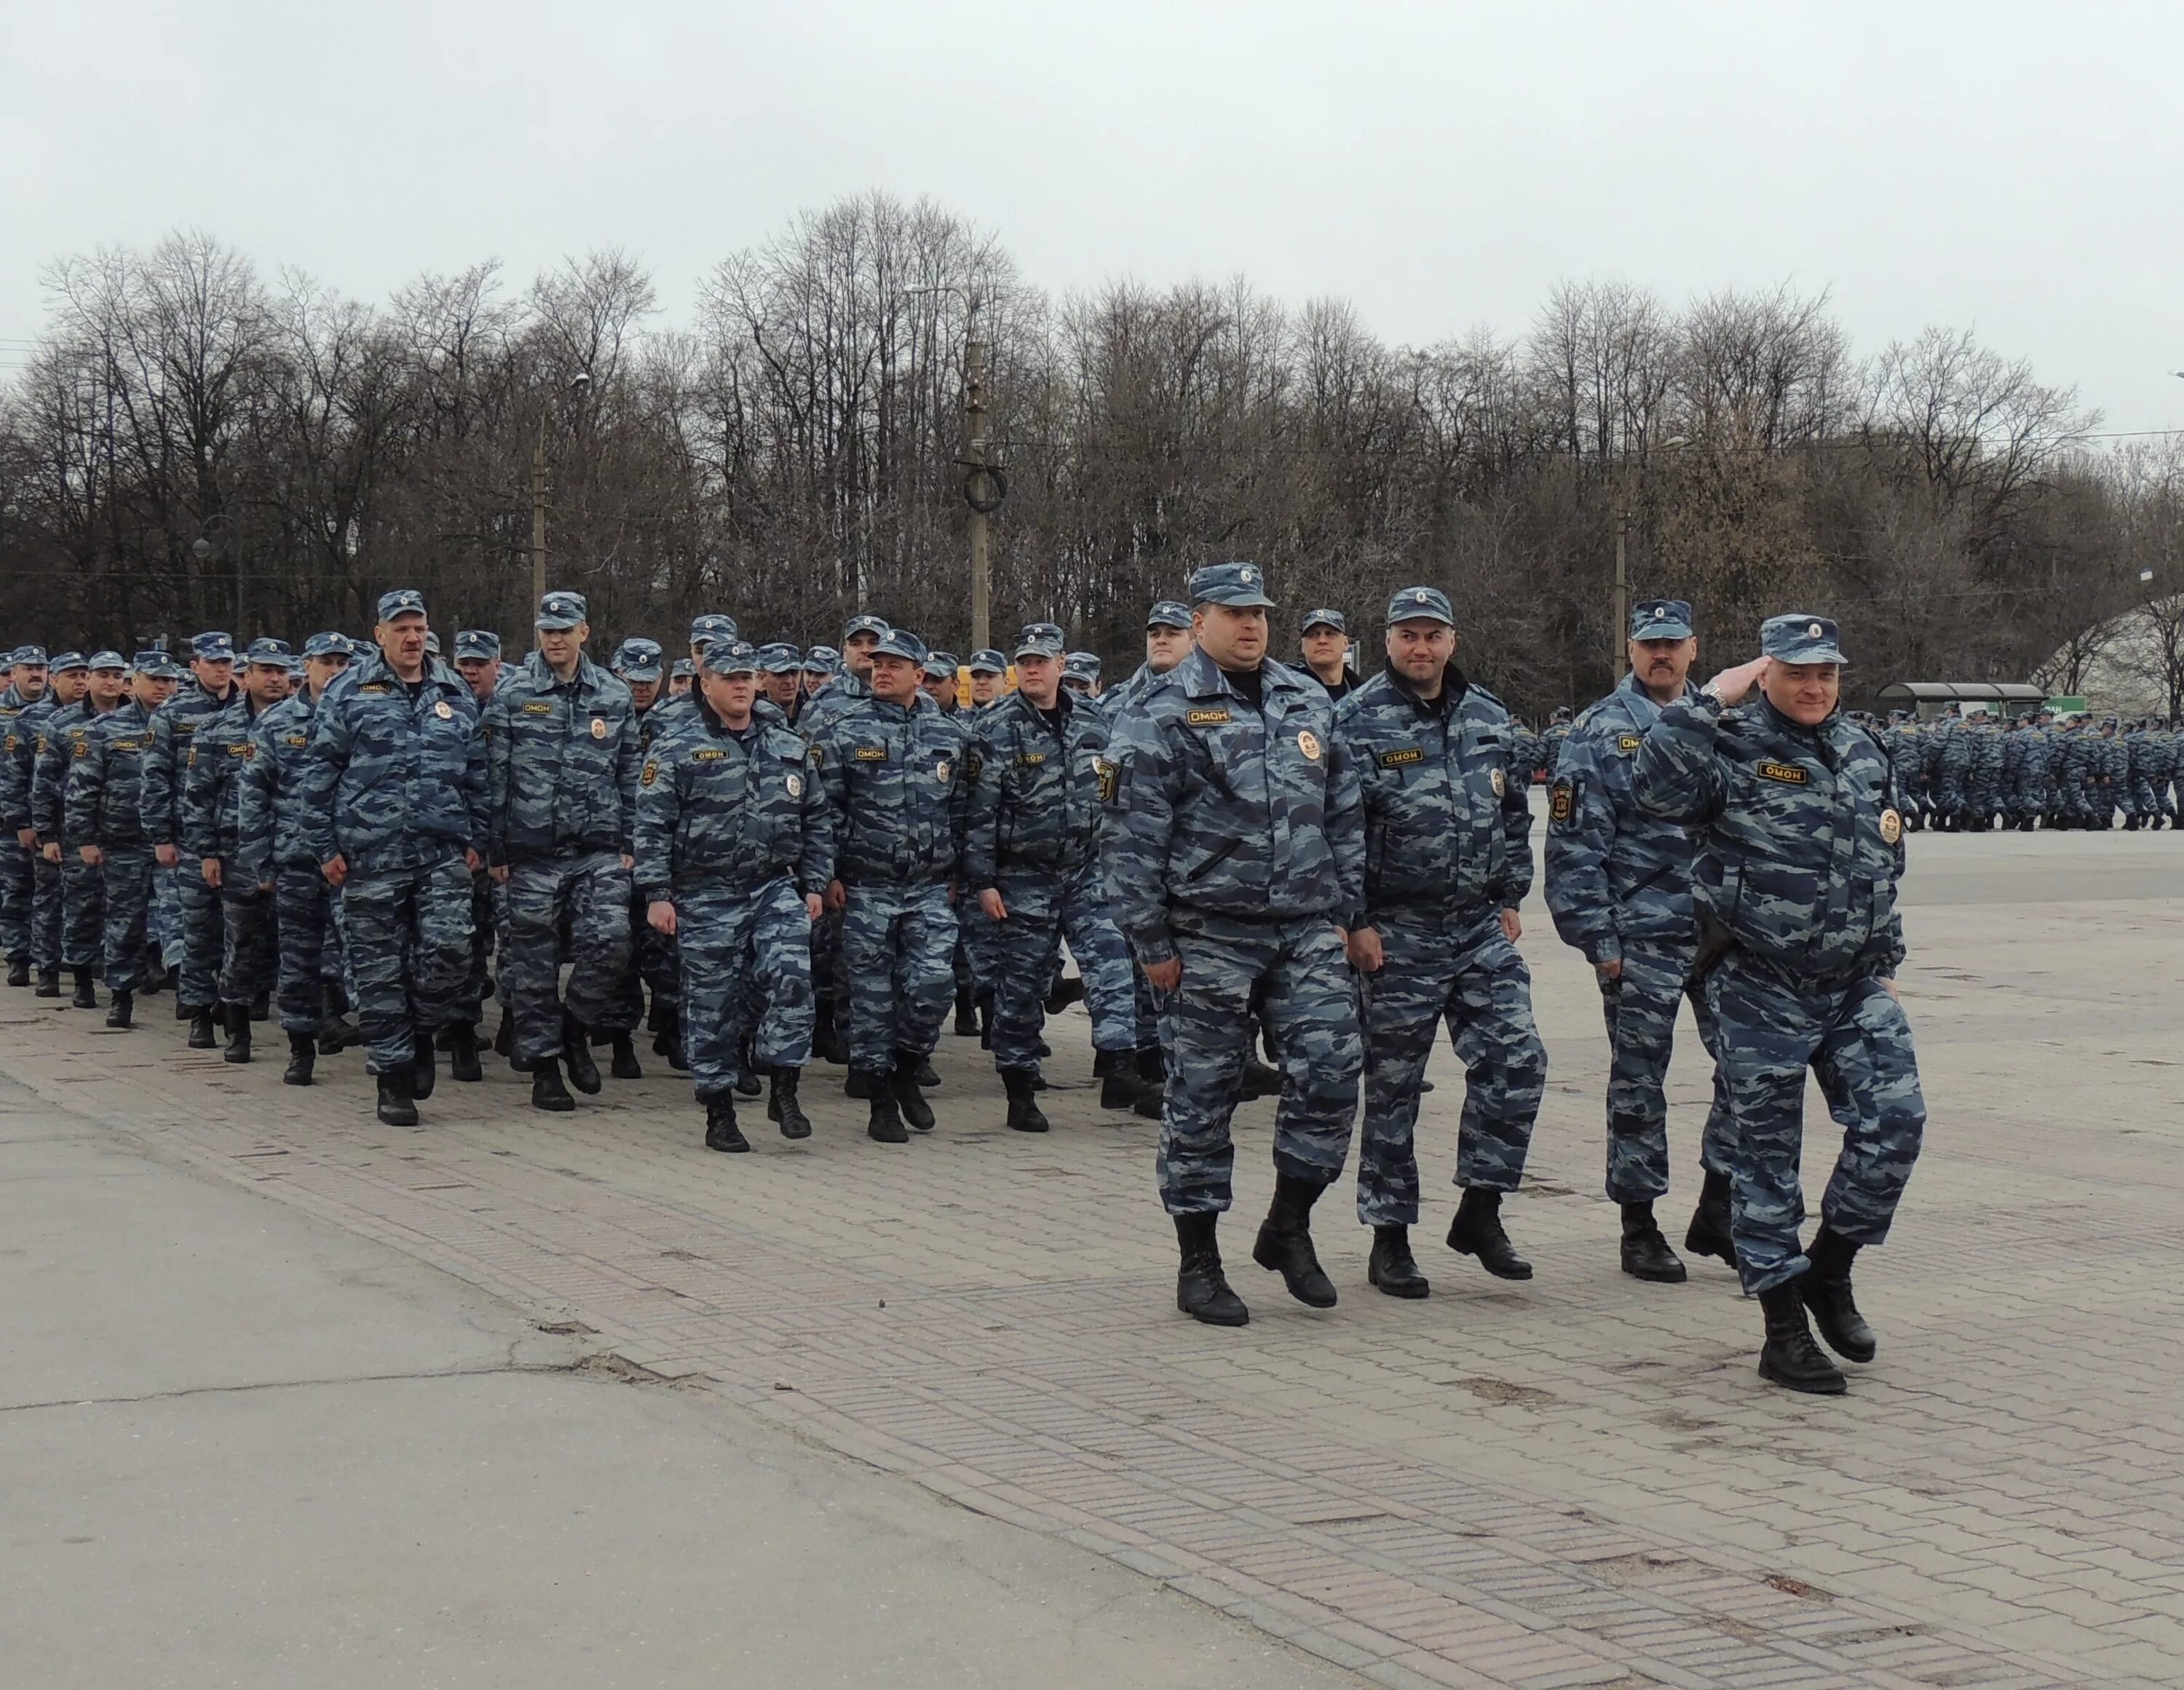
x=1296, y=968
x=592, y=894
x=83, y=912
x=198, y=907
x=654, y=963
x=409, y=938
x=45, y=913
x=1045, y=909
x=124, y=936
x=746, y=960
x=249, y=949
x=975, y=947
x=1640, y=1010
x=1769, y=1030
x=166, y=919
x=898, y=966
x=1461, y=969
x=303, y=914
x=483, y=926
x=2027, y=796
x=17, y=880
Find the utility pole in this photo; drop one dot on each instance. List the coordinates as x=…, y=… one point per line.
x=974, y=411
x=538, y=514
x=1618, y=621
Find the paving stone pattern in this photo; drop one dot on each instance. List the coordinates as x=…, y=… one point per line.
x=1576, y=1482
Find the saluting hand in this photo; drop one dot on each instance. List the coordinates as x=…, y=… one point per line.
x=1732, y=684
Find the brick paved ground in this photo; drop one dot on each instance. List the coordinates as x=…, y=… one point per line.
x=1577, y=1482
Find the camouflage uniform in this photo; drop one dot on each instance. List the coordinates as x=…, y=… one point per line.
x=1232, y=841
x=2143, y=753
x=733, y=830
x=2169, y=774
x=1447, y=825
x=65, y=737
x=101, y=808
x=896, y=779
x=395, y=781
x=565, y=758
x=197, y=921
x=2028, y=791
x=223, y=747
x=1033, y=837
x=277, y=846
x=1620, y=886
x=1799, y=851
x=17, y=877
x=2113, y=790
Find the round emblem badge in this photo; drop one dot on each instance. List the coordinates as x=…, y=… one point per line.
x=444, y=710
x=941, y=771
x=1891, y=827
x=599, y=727
x=1812, y=632
x=1308, y=743
x=795, y=784
x=1501, y=783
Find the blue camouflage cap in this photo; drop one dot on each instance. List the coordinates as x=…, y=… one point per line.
x=107, y=660
x=401, y=601
x=682, y=669
x=213, y=647
x=864, y=624
x=266, y=649
x=778, y=657
x=149, y=661
x=1800, y=638
x=939, y=665
x=821, y=660
x=1168, y=613
x=1080, y=666
x=1420, y=604
x=730, y=657
x=432, y=642
x=477, y=642
x=334, y=644
x=1325, y=617
x=67, y=660
x=987, y=661
x=638, y=659
x=32, y=655
x=558, y=611
x=1661, y=619
x=1041, y=639
x=711, y=626
x=901, y=642
x=1242, y=585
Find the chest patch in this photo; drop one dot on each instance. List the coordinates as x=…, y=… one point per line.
x=1212, y=716
x=941, y=771
x=599, y=727
x=370, y=689
x=1629, y=741
x=1562, y=803
x=243, y=748
x=297, y=739
x=444, y=710
x=1308, y=743
x=1109, y=774
x=538, y=709
x=870, y=754
x=651, y=773
x=710, y=754
x=1031, y=759
x=1790, y=774
x=796, y=785
x=1397, y=760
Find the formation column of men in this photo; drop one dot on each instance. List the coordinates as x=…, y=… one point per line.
x=800, y=853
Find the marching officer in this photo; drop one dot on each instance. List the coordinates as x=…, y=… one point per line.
x=393, y=803
x=102, y=812
x=1031, y=857
x=477, y=660
x=66, y=738
x=1800, y=846
x=893, y=765
x=1232, y=844
x=196, y=923
x=275, y=842
x=212, y=815
x=68, y=679
x=563, y=743
x=1619, y=887
x=26, y=696
x=641, y=666
x=1433, y=933
x=734, y=850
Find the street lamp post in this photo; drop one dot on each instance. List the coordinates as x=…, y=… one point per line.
x=539, y=491
x=982, y=487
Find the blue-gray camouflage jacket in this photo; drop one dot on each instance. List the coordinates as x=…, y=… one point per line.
x=101, y=805
x=21, y=750
x=741, y=807
x=1446, y=820
x=62, y=737
x=1614, y=872
x=175, y=725
x=1800, y=840
x=273, y=823
x=1034, y=798
x=1219, y=810
x=223, y=747
x=395, y=775
x=897, y=779
x=563, y=759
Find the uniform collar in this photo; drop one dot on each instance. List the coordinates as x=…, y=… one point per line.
x=1201, y=677
x=1453, y=686
x=1640, y=703
x=535, y=663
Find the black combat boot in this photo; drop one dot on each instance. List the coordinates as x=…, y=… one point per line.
x=201, y=1037
x=782, y=1106
x=825, y=1037
x=1790, y=1358
x=747, y=1080
x=1025, y=1115
x=18, y=970
x=916, y=1113
x=1645, y=1252
x=927, y=1076
x=1120, y=1088
x=1477, y=1231
x=117, y=1012
x=1284, y=1242
x=503, y=1037
x=1259, y=1079
x=86, y=995
x=576, y=1051
x=237, y=1017
x=677, y=1059
x=49, y=983
x=885, y=1125
x=547, y=1090
x=625, y=1066
x=462, y=1053
x=395, y=1107
x=1825, y=1290
x=721, y=1132
x=1708, y=1233
x=261, y=1007
x=1202, y=1289
x=966, y=1012
x=1152, y=1072
x=1392, y=1267
x=424, y=1066
x=1067, y=991
x=302, y=1057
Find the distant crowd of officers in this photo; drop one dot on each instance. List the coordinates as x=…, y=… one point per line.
x=795, y=853
x=1971, y=774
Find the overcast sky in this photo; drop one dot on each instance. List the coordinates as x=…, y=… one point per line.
x=2011, y=166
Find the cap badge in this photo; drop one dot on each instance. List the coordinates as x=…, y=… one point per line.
x=1419, y=597
x=1247, y=574
x=1813, y=631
